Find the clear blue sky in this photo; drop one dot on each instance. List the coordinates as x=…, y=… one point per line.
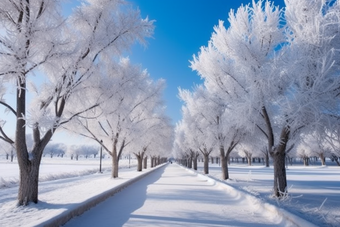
x=181, y=28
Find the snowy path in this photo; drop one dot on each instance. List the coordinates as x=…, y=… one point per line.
x=172, y=196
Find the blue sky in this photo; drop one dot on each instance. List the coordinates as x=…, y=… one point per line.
x=181, y=28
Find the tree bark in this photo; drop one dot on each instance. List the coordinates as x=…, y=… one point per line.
x=139, y=161
x=278, y=155
x=206, y=163
x=224, y=164
x=279, y=158
x=115, y=164
x=140, y=158
x=114, y=156
x=322, y=158
x=145, y=164
x=249, y=160
x=280, y=180
x=195, y=160
x=189, y=160
x=267, y=159
x=305, y=161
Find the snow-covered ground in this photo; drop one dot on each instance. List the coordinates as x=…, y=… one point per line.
x=172, y=196
x=314, y=191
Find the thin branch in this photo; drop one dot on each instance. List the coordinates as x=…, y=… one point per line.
x=5, y=137
x=9, y=107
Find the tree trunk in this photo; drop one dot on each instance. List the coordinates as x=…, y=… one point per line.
x=280, y=180
x=195, y=162
x=28, y=188
x=323, y=161
x=154, y=161
x=140, y=158
x=206, y=164
x=152, y=164
x=189, y=160
x=115, y=158
x=249, y=160
x=267, y=159
x=29, y=163
x=145, y=165
x=115, y=164
x=305, y=161
x=224, y=164
x=139, y=161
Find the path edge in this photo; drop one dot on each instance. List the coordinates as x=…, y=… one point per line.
x=294, y=219
x=67, y=215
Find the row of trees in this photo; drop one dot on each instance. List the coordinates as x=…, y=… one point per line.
x=68, y=73
x=271, y=81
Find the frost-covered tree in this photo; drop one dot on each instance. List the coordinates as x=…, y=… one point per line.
x=36, y=40
x=154, y=140
x=132, y=98
x=182, y=147
x=237, y=64
x=197, y=125
x=153, y=136
x=277, y=72
x=7, y=149
x=215, y=114
x=55, y=149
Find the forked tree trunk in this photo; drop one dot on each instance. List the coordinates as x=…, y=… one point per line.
x=29, y=170
x=322, y=159
x=140, y=158
x=225, y=158
x=279, y=159
x=28, y=166
x=115, y=155
x=278, y=155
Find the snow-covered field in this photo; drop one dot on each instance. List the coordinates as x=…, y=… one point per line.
x=314, y=192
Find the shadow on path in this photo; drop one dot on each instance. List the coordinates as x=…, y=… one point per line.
x=116, y=210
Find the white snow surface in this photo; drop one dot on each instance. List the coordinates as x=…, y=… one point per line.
x=171, y=195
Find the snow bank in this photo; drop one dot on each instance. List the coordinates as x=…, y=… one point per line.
x=295, y=220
